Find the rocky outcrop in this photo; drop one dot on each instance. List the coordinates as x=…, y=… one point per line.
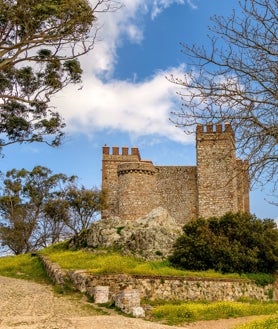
x=149, y=237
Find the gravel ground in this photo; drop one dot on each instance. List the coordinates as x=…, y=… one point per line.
x=25, y=304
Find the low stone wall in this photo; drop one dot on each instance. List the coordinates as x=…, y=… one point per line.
x=174, y=288
x=163, y=287
x=54, y=271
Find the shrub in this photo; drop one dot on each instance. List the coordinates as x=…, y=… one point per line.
x=232, y=243
x=178, y=313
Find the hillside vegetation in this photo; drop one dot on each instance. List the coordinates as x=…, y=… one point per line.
x=106, y=261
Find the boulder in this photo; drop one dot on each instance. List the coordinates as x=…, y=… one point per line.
x=148, y=237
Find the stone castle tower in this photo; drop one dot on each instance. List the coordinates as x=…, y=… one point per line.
x=218, y=184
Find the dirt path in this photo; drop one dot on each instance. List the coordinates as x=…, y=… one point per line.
x=25, y=304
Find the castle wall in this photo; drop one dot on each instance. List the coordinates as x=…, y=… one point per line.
x=217, y=185
x=177, y=186
x=243, y=185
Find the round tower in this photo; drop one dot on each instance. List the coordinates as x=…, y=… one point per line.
x=137, y=189
x=110, y=183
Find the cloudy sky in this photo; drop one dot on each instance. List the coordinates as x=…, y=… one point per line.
x=125, y=99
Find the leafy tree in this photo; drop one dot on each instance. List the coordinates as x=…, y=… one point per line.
x=39, y=208
x=24, y=193
x=52, y=221
x=84, y=206
x=235, y=80
x=232, y=243
x=40, y=43
x=77, y=208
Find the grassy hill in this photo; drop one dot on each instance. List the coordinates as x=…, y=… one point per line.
x=107, y=262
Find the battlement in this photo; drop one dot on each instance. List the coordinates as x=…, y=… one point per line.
x=214, y=128
x=125, y=151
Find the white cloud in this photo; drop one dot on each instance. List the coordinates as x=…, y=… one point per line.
x=123, y=25
x=114, y=26
x=138, y=108
x=192, y=4
x=160, y=5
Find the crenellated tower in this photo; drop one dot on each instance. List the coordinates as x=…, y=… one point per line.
x=222, y=180
x=110, y=181
x=129, y=182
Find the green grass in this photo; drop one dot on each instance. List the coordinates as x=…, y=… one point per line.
x=268, y=323
x=25, y=267
x=112, y=262
x=195, y=311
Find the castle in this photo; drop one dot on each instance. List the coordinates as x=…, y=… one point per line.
x=218, y=184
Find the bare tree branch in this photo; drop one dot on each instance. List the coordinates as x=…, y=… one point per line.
x=236, y=80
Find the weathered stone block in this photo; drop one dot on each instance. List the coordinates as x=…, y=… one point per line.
x=138, y=312
x=101, y=294
x=127, y=300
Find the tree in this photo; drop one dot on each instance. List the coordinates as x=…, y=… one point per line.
x=232, y=243
x=22, y=224
x=76, y=208
x=236, y=80
x=39, y=208
x=84, y=206
x=40, y=43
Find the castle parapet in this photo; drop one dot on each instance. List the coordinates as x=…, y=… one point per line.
x=142, y=167
x=124, y=151
x=214, y=128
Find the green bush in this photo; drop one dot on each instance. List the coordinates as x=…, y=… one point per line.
x=234, y=243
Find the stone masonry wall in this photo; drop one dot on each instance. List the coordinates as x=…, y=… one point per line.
x=216, y=161
x=218, y=184
x=164, y=287
x=177, y=186
x=137, y=189
x=175, y=288
x=243, y=185
x=110, y=183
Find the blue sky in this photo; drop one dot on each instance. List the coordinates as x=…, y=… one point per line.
x=126, y=99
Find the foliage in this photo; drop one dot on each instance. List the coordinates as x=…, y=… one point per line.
x=22, y=226
x=195, y=311
x=232, y=243
x=234, y=79
x=108, y=261
x=76, y=208
x=261, y=279
x=25, y=267
x=268, y=323
x=38, y=208
x=40, y=43
x=84, y=205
